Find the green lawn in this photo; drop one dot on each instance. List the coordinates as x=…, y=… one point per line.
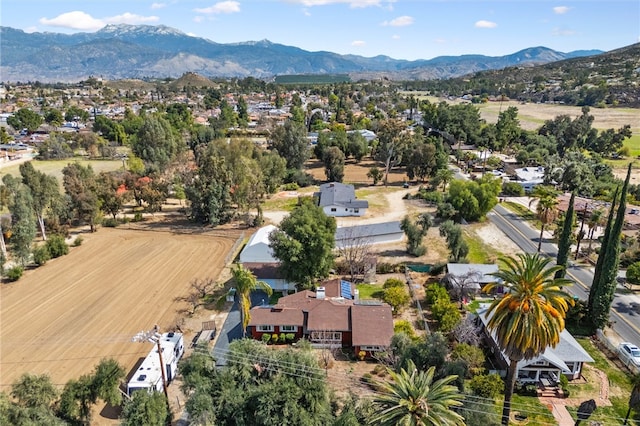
x=634, y=145
x=479, y=252
x=370, y=291
x=536, y=412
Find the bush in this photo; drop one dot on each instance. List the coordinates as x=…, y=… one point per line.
x=282, y=338
x=446, y=313
x=472, y=355
x=393, y=282
x=14, y=274
x=512, y=189
x=404, y=326
x=290, y=187
x=137, y=217
x=290, y=337
x=110, y=222
x=57, y=246
x=434, y=292
x=274, y=338
x=41, y=255
x=437, y=269
x=487, y=385
x=397, y=297
x=389, y=268
x=633, y=273
x=78, y=241
x=266, y=337
x=432, y=197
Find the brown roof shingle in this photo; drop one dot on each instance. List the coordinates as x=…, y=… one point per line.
x=274, y=315
x=371, y=325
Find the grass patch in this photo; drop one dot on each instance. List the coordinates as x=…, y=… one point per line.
x=370, y=291
x=377, y=201
x=280, y=204
x=536, y=412
x=475, y=304
x=634, y=145
x=479, y=252
x=520, y=210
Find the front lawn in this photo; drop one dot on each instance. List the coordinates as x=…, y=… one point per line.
x=370, y=291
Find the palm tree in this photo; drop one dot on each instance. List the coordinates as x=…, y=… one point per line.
x=634, y=398
x=444, y=176
x=530, y=315
x=245, y=284
x=546, y=209
x=595, y=219
x=413, y=398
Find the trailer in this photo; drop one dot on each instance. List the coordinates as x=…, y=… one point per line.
x=149, y=375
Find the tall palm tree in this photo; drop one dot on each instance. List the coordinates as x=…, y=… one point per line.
x=530, y=315
x=444, y=176
x=547, y=207
x=634, y=398
x=245, y=284
x=414, y=399
x=595, y=219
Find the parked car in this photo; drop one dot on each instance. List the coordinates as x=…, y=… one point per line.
x=629, y=353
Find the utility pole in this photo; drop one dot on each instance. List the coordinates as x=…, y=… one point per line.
x=154, y=336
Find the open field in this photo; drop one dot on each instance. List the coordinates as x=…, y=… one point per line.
x=62, y=318
x=54, y=167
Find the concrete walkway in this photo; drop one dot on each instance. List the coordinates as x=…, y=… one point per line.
x=561, y=414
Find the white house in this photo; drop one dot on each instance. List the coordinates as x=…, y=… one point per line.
x=257, y=256
x=566, y=358
x=530, y=177
x=338, y=199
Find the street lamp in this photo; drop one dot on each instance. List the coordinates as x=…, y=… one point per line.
x=154, y=336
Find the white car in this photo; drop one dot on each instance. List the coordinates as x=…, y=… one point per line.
x=629, y=353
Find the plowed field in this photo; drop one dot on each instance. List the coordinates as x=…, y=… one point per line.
x=63, y=317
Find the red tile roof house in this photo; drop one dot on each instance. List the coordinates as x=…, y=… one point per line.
x=328, y=319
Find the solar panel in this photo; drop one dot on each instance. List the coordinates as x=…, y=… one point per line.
x=345, y=289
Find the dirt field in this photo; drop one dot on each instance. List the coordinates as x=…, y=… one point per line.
x=62, y=318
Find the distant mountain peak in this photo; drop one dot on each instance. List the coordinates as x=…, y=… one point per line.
x=121, y=29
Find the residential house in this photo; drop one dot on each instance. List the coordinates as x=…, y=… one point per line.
x=374, y=233
x=338, y=199
x=257, y=256
x=529, y=177
x=332, y=316
x=467, y=279
x=566, y=358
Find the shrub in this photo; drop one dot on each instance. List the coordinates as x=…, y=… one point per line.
x=57, y=246
x=633, y=273
x=137, y=217
x=404, y=326
x=432, y=197
x=434, y=292
x=78, y=241
x=367, y=378
x=274, y=338
x=389, y=268
x=379, y=370
x=397, y=297
x=393, y=282
x=41, y=255
x=266, y=337
x=437, y=269
x=472, y=355
x=290, y=186
x=14, y=274
x=290, y=337
x=282, y=338
x=487, y=385
x=110, y=222
x=512, y=189
x=446, y=313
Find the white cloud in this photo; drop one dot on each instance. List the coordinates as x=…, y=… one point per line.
x=561, y=10
x=395, y=37
x=76, y=20
x=401, y=21
x=562, y=32
x=198, y=19
x=221, y=7
x=358, y=43
x=306, y=12
x=355, y=4
x=155, y=6
x=130, y=18
x=485, y=24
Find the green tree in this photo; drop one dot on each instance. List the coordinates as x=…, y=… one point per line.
x=53, y=117
x=604, y=284
x=633, y=273
x=393, y=138
x=564, y=242
x=375, y=174
x=80, y=186
x=414, y=398
x=273, y=170
x=595, y=219
x=44, y=191
x=156, y=144
x=146, y=408
x=24, y=118
x=75, y=113
x=487, y=385
x=34, y=391
x=333, y=160
x=546, y=207
x=290, y=141
x=414, y=232
x=303, y=242
x=634, y=398
x=397, y=297
x=22, y=218
x=458, y=247
x=530, y=316
x=246, y=283
x=507, y=128
x=472, y=200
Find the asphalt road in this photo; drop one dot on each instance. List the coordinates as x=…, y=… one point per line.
x=625, y=310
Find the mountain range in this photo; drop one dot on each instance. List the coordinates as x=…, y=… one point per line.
x=146, y=51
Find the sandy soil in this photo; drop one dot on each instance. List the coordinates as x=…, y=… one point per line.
x=62, y=318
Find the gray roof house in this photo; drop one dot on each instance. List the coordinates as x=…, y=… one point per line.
x=338, y=199
x=374, y=233
x=468, y=278
x=566, y=358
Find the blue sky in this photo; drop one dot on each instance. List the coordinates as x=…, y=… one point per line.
x=401, y=29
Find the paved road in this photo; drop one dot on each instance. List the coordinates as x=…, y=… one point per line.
x=625, y=312
x=231, y=329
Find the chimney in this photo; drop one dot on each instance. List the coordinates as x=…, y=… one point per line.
x=320, y=293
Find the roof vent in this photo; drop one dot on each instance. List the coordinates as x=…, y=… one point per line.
x=142, y=377
x=320, y=294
